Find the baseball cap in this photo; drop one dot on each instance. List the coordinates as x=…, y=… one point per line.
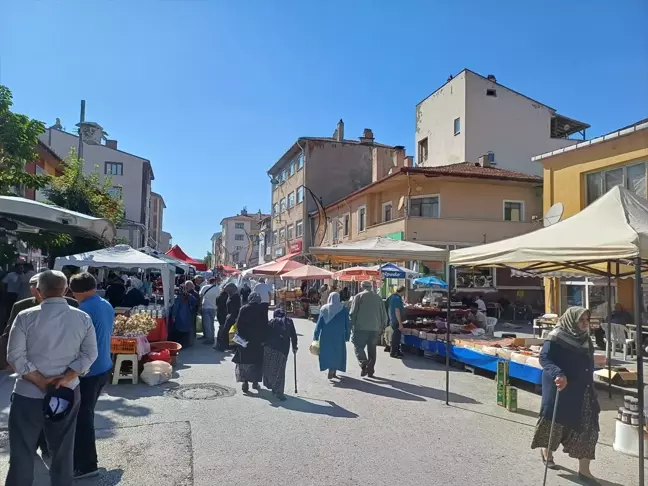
x=58, y=403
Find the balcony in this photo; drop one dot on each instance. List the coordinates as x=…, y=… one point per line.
x=475, y=231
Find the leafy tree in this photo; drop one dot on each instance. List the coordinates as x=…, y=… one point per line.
x=209, y=259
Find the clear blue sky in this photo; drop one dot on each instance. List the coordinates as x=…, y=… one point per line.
x=213, y=92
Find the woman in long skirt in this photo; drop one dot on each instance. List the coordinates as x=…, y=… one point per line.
x=233, y=307
x=281, y=332
x=568, y=366
x=252, y=327
x=333, y=330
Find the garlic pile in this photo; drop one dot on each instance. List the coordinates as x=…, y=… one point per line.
x=133, y=326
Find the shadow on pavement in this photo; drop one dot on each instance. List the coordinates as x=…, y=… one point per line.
x=141, y=390
x=424, y=391
x=573, y=477
x=106, y=477
x=297, y=404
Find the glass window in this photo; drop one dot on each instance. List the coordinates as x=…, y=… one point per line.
x=282, y=204
x=300, y=161
x=239, y=225
x=362, y=219
x=299, y=228
x=291, y=200
x=115, y=192
x=613, y=178
x=346, y=225
x=632, y=177
x=289, y=231
x=239, y=237
x=387, y=212
x=425, y=207
x=335, y=225
x=114, y=168
x=422, y=151
x=300, y=194
x=513, y=211
x=282, y=234
x=636, y=179
x=291, y=169
x=282, y=178
x=275, y=208
x=594, y=187
x=274, y=237
x=457, y=126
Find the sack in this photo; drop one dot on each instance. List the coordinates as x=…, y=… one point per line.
x=314, y=348
x=232, y=333
x=156, y=373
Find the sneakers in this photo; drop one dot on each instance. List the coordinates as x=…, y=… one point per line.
x=78, y=474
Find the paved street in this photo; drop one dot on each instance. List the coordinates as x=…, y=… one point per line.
x=394, y=429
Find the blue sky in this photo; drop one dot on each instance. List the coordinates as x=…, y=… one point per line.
x=213, y=92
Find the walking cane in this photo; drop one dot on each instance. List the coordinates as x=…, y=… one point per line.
x=295, y=356
x=553, y=421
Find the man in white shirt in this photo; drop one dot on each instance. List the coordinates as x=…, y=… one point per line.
x=481, y=305
x=50, y=345
x=265, y=291
x=208, y=295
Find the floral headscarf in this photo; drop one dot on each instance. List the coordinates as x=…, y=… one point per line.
x=568, y=332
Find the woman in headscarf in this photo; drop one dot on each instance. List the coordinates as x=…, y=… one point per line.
x=333, y=330
x=182, y=315
x=281, y=331
x=252, y=327
x=233, y=306
x=221, y=308
x=568, y=366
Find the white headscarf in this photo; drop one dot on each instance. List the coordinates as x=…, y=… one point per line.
x=332, y=308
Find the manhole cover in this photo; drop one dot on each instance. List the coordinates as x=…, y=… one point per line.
x=201, y=391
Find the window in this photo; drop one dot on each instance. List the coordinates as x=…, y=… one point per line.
x=238, y=248
x=115, y=192
x=238, y=237
x=422, y=151
x=299, y=229
x=283, y=177
x=235, y=257
x=362, y=219
x=282, y=235
x=291, y=169
x=300, y=161
x=387, y=211
x=457, y=126
x=345, y=225
x=291, y=200
x=300, y=194
x=290, y=231
x=274, y=237
x=239, y=225
x=275, y=209
x=632, y=177
x=335, y=225
x=514, y=211
x=491, y=92
x=425, y=206
x=114, y=168
x=282, y=204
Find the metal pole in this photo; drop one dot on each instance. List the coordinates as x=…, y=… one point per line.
x=81, y=120
x=447, y=363
x=640, y=379
x=609, y=328
x=551, y=431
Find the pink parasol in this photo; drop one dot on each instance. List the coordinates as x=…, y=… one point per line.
x=308, y=272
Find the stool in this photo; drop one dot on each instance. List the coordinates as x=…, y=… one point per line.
x=119, y=360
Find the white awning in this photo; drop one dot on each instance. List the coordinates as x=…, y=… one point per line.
x=378, y=249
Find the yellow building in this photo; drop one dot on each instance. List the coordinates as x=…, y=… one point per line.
x=578, y=175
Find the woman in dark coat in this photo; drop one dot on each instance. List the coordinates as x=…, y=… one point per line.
x=252, y=327
x=233, y=307
x=568, y=365
x=221, y=308
x=281, y=332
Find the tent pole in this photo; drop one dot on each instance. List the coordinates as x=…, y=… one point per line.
x=640, y=379
x=447, y=363
x=609, y=332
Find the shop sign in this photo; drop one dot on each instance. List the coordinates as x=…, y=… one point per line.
x=296, y=247
x=474, y=278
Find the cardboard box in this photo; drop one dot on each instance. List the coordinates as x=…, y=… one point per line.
x=620, y=376
x=511, y=399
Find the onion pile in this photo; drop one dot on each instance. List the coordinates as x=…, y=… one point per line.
x=136, y=325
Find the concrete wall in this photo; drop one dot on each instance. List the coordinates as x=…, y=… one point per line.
x=435, y=120
x=510, y=125
x=156, y=217
x=165, y=242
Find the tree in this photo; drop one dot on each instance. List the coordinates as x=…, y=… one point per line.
x=209, y=259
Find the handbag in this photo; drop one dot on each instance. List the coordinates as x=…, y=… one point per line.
x=314, y=348
x=232, y=332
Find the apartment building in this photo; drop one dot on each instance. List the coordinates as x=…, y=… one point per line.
x=314, y=172
x=48, y=162
x=131, y=175
x=449, y=207
x=156, y=216
x=165, y=241
x=238, y=242
x=472, y=115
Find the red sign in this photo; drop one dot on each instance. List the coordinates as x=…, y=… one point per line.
x=296, y=247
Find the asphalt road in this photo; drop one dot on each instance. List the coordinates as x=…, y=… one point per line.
x=393, y=429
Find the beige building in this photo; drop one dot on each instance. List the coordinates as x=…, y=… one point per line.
x=450, y=207
x=165, y=241
x=316, y=171
x=237, y=244
x=156, y=216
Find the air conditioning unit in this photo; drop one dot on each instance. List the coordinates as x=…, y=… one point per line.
x=279, y=252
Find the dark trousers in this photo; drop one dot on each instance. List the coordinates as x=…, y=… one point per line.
x=266, y=306
x=599, y=336
x=396, y=341
x=85, y=450
x=26, y=421
x=368, y=340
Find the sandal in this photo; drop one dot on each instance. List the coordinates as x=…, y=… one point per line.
x=548, y=462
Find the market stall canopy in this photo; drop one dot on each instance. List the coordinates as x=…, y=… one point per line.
x=391, y=270
x=274, y=268
x=228, y=270
x=358, y=274
x=614, y=228
x=27, y=216
x=431, y=282
x=307, y=272
x=181, y=267
x=122, y=256
x=176, y=252
x=378, y=249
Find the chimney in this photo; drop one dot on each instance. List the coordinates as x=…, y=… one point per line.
x=398, y=156
x=111, y=144
x=367, y=136
x=483, y=161
x=409, y=161
x=491, y=77
x=339, y=132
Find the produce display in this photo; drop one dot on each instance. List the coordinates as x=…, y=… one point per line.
x=139, y=324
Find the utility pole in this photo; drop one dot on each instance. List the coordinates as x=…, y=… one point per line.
x=81, y=121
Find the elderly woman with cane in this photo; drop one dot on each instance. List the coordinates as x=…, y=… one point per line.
x=281, y=333
x=569, y=413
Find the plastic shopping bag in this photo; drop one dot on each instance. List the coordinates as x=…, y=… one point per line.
x=156, y=373
x=232, y=333
x=314, y=348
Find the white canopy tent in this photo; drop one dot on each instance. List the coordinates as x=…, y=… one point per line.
x=123, y=256
x=378, y=249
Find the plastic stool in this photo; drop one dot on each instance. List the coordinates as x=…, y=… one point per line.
x=119, y=360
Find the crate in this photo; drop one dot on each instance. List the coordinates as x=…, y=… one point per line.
x=121, y=345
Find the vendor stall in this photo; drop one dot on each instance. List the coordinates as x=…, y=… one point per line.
x=294, y=300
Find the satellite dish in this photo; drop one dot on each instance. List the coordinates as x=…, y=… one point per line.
x=401, y=202
x=553, y=215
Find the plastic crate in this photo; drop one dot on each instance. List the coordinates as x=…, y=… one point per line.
x=120, y=345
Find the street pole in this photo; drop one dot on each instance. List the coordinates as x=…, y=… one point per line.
x=81, y=121
x=640, y=378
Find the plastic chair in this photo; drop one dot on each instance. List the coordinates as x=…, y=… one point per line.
x=619, y=337
x=491, y=322
x=117, y=373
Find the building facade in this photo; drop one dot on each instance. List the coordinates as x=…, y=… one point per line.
x=166, y=241
x=238, y=242
x=471, y=115
x=313, y=173
x=131, y=176
x=576, y=177
x=156, y=216
x=48, y=162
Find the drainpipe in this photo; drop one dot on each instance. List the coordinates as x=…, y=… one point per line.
x=406, y=207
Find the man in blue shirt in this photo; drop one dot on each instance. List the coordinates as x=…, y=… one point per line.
x=396, y=319
x=84, y=288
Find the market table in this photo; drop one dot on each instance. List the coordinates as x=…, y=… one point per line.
x=412, y=312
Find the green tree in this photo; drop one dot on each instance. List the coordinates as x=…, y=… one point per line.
x=209, y=259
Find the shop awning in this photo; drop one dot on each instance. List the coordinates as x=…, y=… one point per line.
x=307, y=272
x=176, y=252
x=378, y=249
